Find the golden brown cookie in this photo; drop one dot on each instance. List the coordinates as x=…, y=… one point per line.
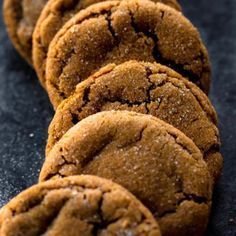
x=150, y=89
x=153, y=160
x=20, y=18
x=54, y=15
x=77, y=206
x=114, y=32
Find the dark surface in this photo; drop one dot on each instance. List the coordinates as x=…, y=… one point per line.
x=25, y=111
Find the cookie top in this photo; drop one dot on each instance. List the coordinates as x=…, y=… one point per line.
x=54, y=15
x=153, y=160
x=80, y=205
x=117, y=31
x=147, y=88
x=20, y=18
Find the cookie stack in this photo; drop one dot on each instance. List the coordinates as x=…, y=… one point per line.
x=128, y=82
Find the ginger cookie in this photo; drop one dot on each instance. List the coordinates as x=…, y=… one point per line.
x=20, y=18
x=79, y=205
x=54, y=15
x=153, y=160
x=117, y=31
x=147, y=88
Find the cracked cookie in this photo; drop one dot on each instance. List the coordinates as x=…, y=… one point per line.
x=20, y=18
x=147, y=88
x=117, y=31
x=80, y=205
x=153, y=160
x=54, y=15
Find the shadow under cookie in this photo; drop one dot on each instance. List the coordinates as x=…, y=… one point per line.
x=147, y=88
x=153, y=160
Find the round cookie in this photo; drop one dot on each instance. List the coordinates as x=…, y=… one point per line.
x=80, y=205
x=117, y=31
x=150, y=89
x=54, y=15
x=20, y=18
x=153, y=160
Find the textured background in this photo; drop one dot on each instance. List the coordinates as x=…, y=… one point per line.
x=25, y=111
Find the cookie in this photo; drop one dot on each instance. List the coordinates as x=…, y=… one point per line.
x=80, y=205
x=55, y=14
x=147, y=88
x=153, y=160
x=117, y=31
x=20, y=18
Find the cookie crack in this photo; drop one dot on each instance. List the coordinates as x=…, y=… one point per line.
x=123, y=101
x=215, y=148
x=110, y=27
x=54, y=174
x=96, y=153
x=65, y=61
x=175, y=137
x=62, y=164
x=46, y=226
x=86, y=95
x=104, y=223
x=141, y=134
x=53, y=218
x=187, y=197
x=65, y=161
x=31, y=205
x=151, y=87
x=107, y=16
x=159, y=58
x=85, y=100
x=98, y=227
x=195, y=198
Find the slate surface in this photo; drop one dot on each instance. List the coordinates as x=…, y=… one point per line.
x=25, y=111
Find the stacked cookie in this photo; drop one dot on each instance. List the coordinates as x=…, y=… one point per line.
x=128, y=81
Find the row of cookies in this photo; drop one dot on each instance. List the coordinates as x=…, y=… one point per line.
x=68, y=45
x=153, y=160
x=93, y=64
x=87, y=136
